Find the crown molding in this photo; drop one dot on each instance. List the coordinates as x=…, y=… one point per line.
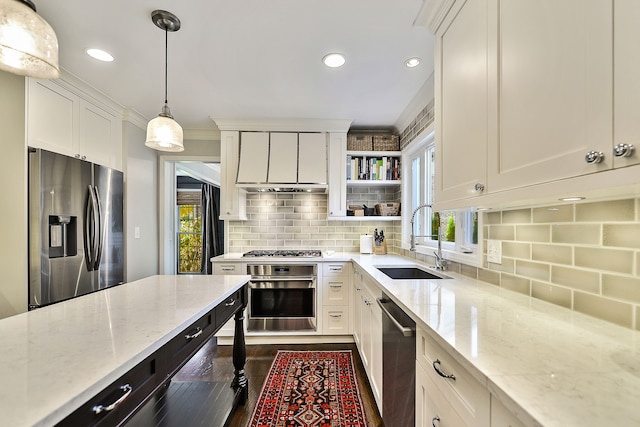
x=283, y=125
x=433, y=13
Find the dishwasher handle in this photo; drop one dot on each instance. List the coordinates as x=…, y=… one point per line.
x=407, y=331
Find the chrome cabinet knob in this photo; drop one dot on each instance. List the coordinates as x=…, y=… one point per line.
x=479, y=187
x=623, y=150
x=594, y=157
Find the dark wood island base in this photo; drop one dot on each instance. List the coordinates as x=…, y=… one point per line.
x=148, y=396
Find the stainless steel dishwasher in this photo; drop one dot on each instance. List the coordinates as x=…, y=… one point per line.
x=398, y=365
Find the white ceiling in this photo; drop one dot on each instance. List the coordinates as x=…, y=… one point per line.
x=249, y=59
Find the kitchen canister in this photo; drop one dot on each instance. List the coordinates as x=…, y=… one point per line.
x=366, y=244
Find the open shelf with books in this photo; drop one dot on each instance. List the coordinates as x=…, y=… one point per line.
x=373, y=167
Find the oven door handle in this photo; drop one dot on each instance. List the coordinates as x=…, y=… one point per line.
x=282, y=279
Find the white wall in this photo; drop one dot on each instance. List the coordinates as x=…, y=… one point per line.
x=141, y=204
x=13, y=187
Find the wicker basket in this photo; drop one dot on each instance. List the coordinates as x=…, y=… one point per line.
x=388, y=209
x=359, y=142
x=386, y=143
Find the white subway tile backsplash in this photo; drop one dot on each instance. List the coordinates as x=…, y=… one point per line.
x=518, y=216
x=604, y=308
x=575, y=278
x=577, y=233
x=551, y=293
x=620, y=261
x=621, y=235
x=584, y=256
x=617, y=210
x=533, y=233
x=553, y=214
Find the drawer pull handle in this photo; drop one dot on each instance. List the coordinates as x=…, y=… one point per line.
x=335, y=268
x=436, y=366
x=335, y=286
x=228, y=269
x=435, y=420
x=230, y=303
x=127, y=389
x=196, y=334
x=335, y=315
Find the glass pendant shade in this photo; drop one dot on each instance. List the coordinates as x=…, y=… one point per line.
x=28, y=44
x=164, y=133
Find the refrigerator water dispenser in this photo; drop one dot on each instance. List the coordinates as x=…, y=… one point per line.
x=62, y=236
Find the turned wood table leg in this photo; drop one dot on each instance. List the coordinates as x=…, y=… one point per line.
x=240, y=381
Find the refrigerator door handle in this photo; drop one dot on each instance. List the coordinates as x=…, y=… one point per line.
x=88, y=231
x=97, y=219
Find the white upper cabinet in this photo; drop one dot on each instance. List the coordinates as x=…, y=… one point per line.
x=283, y=152
x=62, y=121
x=232, y=199
x=337, y=199
x=51, y=117
x=534, y=98
x=554, y=90
x=312, y=160
x=461, y=99
x=626, y=68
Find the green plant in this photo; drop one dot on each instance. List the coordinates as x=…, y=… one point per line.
x=450, y=235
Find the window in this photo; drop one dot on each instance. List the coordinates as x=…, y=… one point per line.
x=189, y=237
x=458, y=229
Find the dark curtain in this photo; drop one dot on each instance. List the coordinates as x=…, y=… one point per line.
x=212, y=232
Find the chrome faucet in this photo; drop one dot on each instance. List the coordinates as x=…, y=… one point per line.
x=441, y=263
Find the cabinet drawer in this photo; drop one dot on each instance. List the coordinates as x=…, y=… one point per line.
x=229, y=268
x=141, y=380
x=432, y=408
x=335, y=320
x=335, y=292
x=334, y=269
x=467, y=396
x=187, y=342
x=225, y=310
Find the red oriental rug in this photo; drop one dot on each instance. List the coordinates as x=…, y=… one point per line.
x=310, y=389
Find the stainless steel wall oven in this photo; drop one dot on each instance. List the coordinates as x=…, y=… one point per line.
x=282, y=297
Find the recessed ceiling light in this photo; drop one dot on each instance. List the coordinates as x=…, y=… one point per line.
x=100, y=55
x=334, y=60
x=412, y=62
x=572, y=199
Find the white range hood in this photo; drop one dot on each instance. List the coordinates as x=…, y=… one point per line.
x=283, y=162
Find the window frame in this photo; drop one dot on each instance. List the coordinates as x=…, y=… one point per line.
x=461, y=250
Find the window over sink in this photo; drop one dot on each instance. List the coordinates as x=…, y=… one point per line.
x=459, y=229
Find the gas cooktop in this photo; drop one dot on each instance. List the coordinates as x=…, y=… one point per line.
x=302, y=253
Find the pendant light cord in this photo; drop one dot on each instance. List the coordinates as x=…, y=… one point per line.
x=166, y=60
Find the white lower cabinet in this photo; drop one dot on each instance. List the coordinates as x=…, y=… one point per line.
x=335, y=288
x=466, y=396
x=501, y=416
x=432, y=409
x=368, y=331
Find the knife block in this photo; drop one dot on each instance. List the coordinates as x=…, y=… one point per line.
x=380, y=249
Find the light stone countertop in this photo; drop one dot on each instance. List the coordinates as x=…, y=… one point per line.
x=55, y=358
x=549, y=365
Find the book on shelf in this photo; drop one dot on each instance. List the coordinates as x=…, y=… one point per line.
x=385, y=168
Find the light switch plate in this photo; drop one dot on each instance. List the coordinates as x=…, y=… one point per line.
x=136, y=232
x=494, y=251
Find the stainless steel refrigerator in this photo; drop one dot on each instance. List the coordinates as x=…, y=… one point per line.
x=76, y=240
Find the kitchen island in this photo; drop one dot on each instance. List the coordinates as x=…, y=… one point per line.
x=56, y=359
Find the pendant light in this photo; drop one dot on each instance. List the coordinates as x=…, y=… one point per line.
x=28, y=44
x=164, y=133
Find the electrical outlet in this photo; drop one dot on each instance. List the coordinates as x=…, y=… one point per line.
x=494, y=251
x=136, y=232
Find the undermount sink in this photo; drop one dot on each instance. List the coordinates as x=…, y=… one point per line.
x=410, y=273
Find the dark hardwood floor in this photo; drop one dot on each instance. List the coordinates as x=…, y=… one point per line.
x=213, y=362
